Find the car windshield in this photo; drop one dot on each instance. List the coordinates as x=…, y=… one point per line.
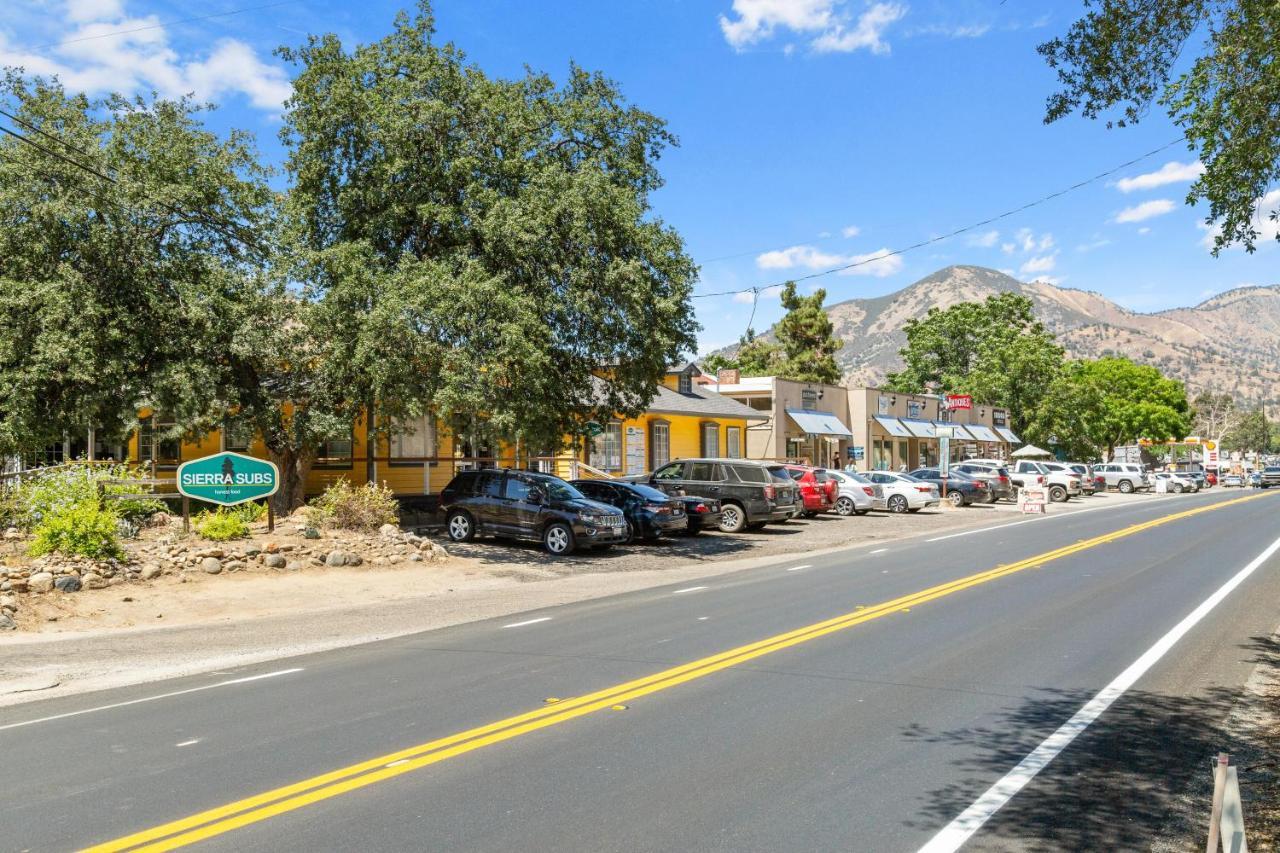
x=780, y=473
x=558, y=490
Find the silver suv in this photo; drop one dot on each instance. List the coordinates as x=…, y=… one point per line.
x=1125, y=476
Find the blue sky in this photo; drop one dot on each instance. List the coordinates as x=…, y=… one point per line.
x=813, y=132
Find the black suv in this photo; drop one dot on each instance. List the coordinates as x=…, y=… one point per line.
x=749, y=494
x=525, y=505
x=650, y=513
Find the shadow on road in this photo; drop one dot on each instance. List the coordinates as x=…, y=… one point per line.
x=1137, y=779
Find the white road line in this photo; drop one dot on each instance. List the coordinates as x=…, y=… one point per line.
x=960, y=830
x=879, y=550
x=227, y=683
x=192, y=742
x=798, y=568
x=688, y=589
x=528, y=622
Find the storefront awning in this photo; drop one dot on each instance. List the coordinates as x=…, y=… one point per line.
x=982, y=433
x=920, y=429
x=1007, y=435
x=893, y=426
x=961, y=434
x=819, y=423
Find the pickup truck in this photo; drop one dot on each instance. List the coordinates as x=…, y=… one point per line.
x=1270, y=476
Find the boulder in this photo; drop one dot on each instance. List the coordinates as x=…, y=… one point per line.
x=92, y=580
x=7, y=623
x=40, y=582
x=336, y=558
x=13, y=533
x=211, y=565
x=274, y=561
x=233, y=565
x=215, y=553
x=389, y=531
x=151, y=571
x=68, y=583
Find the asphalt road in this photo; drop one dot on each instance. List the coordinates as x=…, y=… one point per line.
x=781, y=708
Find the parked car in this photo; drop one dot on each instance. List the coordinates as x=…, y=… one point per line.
x=817, y=489
x=1024, y=479
x=1255, y=479
x=1178, y=483
x=750, y=494
x=994, y=475
x=1090, y=483
x=1064, y=483
x=526, y=505
x=700, y=513
x=855, y=494
x=902, y=492
x=1211, y=478
x=650, y=513
x=1125, y=476
x=1233, y=480
x=962, y=489
x=1270, y=476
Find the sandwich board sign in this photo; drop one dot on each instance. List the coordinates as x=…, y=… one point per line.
x=228, y=479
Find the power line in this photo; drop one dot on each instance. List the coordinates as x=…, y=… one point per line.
x=164, y=24
x=757, y=289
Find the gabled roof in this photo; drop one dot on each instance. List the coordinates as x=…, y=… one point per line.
x=700, y=400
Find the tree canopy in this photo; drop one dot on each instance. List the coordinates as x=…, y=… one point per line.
x=807, y=338
x=1123, y=56
x=995, y=350
x=1252, y=433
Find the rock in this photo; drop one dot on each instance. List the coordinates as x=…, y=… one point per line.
x=252, y=551
x=389, y=531
x=151, y=571
x=211, y=565
x=336, y=558
x=115, y=581
x=354, y=560
x=13, y=533
x=415, y=558
x=7, y=623
x=92, y=580
x=68, y=583
x=15, y=585
x=215, y=553
x=233, y=565
x=40, y=582
x=8, y=601
x=272, y=547
x=275, y=561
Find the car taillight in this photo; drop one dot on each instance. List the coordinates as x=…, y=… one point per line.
x=770, y=492
x=658, y=508
x=870, y=491
x=700, y=508
x=924, y=488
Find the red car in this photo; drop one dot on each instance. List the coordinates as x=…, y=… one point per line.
x=817, y=490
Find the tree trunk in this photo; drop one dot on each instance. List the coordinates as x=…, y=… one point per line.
x=294, y=467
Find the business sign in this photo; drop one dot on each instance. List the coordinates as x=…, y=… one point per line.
x=944, y=452
x=592, y=429
x=635, y=450
x=1033, y=500
x=228, y=478
x=959, y=401
x=856, y=452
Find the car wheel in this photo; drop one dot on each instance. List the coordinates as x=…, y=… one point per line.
x=732, y=518
x=558, y=539
x=897, y=503
x=1177, y=488
x=844, y=506
x=631, y=534
x=461, y=527
x=956, y=499
x=1057, y=494
x=1125, y=487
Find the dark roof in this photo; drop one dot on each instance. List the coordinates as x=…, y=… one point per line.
x=700, y=400
x=686, y=367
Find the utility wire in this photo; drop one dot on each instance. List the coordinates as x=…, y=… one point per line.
x=757, y=289
x=164, y=24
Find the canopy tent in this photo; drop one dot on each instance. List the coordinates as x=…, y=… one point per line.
x=1030, y=451
x=819, y=423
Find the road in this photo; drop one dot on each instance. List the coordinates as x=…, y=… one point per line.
x=860, y=700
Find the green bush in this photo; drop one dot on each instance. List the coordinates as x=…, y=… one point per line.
x=220, y=525
x=364, y=509
x=250, y=513
x=49, y=492
x=77, y=528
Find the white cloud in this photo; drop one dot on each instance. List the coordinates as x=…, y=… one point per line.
x=985, y=240
x=831, y=27
x=1144, y=230
x=1172, y=172
x=134, y=62
x=767, y=293
x=1008, y=248
x=1267, y=228
x=1044, y=263
x=879, y=264
x=1050, y=279
x=851, y=231
x=1028, y=241
x=1096, y=244
x=1146, y=210
x=962, y=31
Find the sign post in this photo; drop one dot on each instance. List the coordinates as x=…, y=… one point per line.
x=228, y=479
x=944, y=434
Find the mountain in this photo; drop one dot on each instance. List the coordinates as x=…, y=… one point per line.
x=1228, y=343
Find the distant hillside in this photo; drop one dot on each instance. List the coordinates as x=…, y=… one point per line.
x=1228, y=343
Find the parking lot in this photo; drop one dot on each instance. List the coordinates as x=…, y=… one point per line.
x=528, y=560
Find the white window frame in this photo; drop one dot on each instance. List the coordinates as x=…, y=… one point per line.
x=733, y=442
x=659, y=444
x=710, y=449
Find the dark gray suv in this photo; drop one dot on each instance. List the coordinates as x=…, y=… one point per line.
x=751, y=495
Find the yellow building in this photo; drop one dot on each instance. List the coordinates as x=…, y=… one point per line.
x=685, y=419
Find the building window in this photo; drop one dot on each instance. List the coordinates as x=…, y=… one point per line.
x=412, y=441
x=336, y=451
x=999, y=418
x=685, y=384
x=237, y=433
x=760, y=404
x=795, y=449
x=808, y=398
x=152, y=443
x=711, y=439
x=659, y=444
x=915, y=408
x=733, y=442
x=606, y=448
x=883, y=405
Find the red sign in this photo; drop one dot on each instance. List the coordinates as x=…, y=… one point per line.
x=959, y=401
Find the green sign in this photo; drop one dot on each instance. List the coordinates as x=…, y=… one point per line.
x=228, y=478
x=592, y=428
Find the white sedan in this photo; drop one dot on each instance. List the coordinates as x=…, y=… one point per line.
x=1177, y=482
x=902, y=492
x=855, y=494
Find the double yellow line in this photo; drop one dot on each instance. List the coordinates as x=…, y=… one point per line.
x=222, y=819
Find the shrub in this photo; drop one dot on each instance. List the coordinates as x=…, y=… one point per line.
x=50, y=491
x=77, y=528
x=250, y=513
x=365, y=508
x=220, y=525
